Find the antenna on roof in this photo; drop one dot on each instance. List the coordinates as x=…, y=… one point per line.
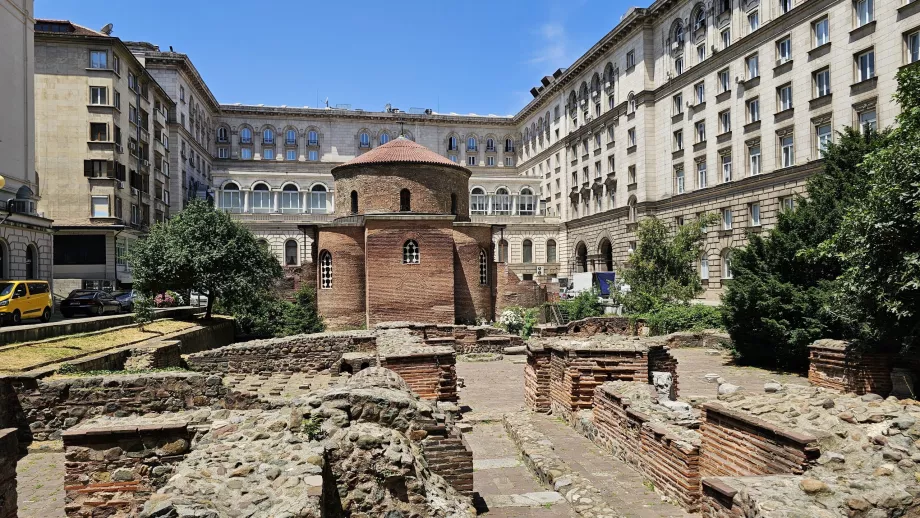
x=107, y=29
x=170, y=49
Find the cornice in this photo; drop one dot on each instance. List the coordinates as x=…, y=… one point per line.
x=183, y=63
x=390, y=118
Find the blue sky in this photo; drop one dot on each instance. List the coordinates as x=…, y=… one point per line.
x=473, y=57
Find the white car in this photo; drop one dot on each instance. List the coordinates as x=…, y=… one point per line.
x=198, y=299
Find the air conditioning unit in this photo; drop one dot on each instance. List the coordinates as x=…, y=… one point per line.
x=132, y=146
x=540, y=270
x=146, y=163
x=119, y=148
x=134, y=191
x=689, y=106
x=119, y=184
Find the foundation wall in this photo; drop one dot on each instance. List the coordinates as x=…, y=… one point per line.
x=575, y=374
x=718, y=501
x=588, y=327
x=537, y=380
x=839, y=369
x=450, y=456
x=739, y=445
x=510, y=290
x=430, y=376
x=113, y=471
x=343, y=305
x=472, y=299
x=9, y=455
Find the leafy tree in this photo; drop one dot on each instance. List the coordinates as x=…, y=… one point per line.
x=879, y=238
x=661, y=270
x=203, y=249
x=267, y=314
x=143, y=311
x=779, y=299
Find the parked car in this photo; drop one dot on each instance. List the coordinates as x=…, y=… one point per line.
x=126, y=298
x=198, y=299
x=25, y=299
x=89, y=302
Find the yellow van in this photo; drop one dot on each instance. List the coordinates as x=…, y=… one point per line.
x=25, y=299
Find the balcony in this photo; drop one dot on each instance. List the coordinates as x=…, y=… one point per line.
x=159, y=118
x=145, y=135
x=160, y=148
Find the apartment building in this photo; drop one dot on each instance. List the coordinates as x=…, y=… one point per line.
x=103, y=138
x=25, y=233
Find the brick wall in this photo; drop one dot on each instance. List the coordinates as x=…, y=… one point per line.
x=464, y=339
x=378, y=188
x=574, y=374
x=718, y=500
x=431, y=376
x=9, y=454
x=588, y=327
x=112, y=471
x=300, y=353
x=660, y=360
x=449, y=455
x=510, y=290
x=343, y=306
x=537, y=379
x=51, y=406
x=736, y=444
x=832, y=364
x=472, y=300
x=670, y=461
x=422, y=292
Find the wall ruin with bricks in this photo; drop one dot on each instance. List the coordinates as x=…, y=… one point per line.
x=537, y=379
x=587, y=327
x=832, y=364
x=464, y=339
x=343, y=305
x=431, y=376
x=450, y=456
x=574, y=374
x=9, y=455
x=472, y=299
x=511, y=291
x=112, y=471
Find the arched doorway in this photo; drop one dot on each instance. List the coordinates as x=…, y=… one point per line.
x=606, y=252
x=581, y=258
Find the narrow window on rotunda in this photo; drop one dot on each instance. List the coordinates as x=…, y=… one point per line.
x=405, y=200
x=453, y=203
x=483, y=268
x=325, y=262
x=354, y=202
x=410, y=252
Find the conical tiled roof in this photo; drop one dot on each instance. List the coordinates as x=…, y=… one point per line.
x=401, y=151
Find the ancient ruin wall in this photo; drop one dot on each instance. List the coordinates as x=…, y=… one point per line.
x=537, y=379
x=472, y=299
x=738, y=445
x=510, y=290
x=9, y=454
x=301, y=353
x=574, y=374
x=343, y=305
x=588, y=327
x=832, y=364
x=112, y=471
x=431, y=376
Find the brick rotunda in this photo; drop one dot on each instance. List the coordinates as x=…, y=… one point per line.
x=402, y=247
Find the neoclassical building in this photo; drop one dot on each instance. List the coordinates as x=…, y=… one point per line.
x=685, y=107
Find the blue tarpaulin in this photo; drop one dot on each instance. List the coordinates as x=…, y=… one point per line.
x=604, y=280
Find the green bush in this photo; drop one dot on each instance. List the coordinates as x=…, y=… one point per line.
x=268, y=315
x=671, y=318
x=583, y=305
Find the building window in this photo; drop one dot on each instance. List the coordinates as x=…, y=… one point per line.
x=679, y=65
x=680, y=181
x=471, y=160
x=752, y=64
x=261, y=198
x=290, y=253
x=633, y=103
x=527, y=251
x=754, y=159
x=726, y=168
x=865, y=12
x=31, y=262
x=785, y=97
x=182, y=93
x=312, y=138
x=503, y=251
x=410, y=252
x=502, y=201
x=631, y=137
x=867, y=121
x=290, y=137
x=824, y=137
x=865, y=66
x=452, y=144
x=701, y=175
x=98, y=95
x=384, y=138
x=100, y=206
x=98, y=132
x=471, y=144
x=753, y=110
x=268, y=154
x=783, y=50
x=268, y=136
x=231, y=199
x=727, y=265
x=483, y=268
x=325, y=269
x=704, y=267
x=630, y=59
x=222, y=134
x=290, y=155
x=117, y=100
x=787, y=145
x=678, y=105
x=490, y=161
x=726, y=38
x=724, y=81
x=700, y=90
x=755, y=214
x=700, y=132
x=725, y=121
x=354, y=202
x=318, y=199
x=290, y=198
x=246, y=153
x=822, y=80
x=913, y=47
x=550, y=251
x=785, y=6
x=477, y=201
x=312, y=155
x=509, y=145
x=678, y=140
x=753, y=21
x=526, y=202
x=98, y=59
x=245, y=136
x=631, y=174
x=223, y=152
x=490, y=144
x=787, y=203
x=633, y=214
x=405, y=200
x=364, y=141
x=821, y=30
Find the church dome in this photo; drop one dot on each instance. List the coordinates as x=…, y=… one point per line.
x=400, y=151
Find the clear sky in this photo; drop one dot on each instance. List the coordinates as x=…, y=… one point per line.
x=477, y=56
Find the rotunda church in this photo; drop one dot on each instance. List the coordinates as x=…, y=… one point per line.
x=402, y=246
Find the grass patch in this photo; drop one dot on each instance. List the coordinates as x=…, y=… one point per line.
x=66, y=371
x=17, y=358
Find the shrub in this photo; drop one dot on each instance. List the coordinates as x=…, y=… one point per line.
x=671, y=318
x=511, y=320
x=268, y=315
x=583, y=305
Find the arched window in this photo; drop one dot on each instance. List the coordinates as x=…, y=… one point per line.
x=290, y=253
x=405, y=200
x=290, y=198
x=222, y=134
x=453, y=203
x=632, y=103
x=268, y=136
x=452, y=144
x=478, y=201
x=704, y=267
x=606, y=252
x=699, y=21
x=526, y=202
x=509, y=145
x=503, y=251
x=633, y=213
x=31, y=262
x=318, y=199
x=483, y=268
x=679, y=33
x=261, y=198
x=245, y=136
x=581, y=258
x=727, y=265
x=550, y=251
x=263, y=244
x=490, y=144
x=354, y=202
x=471, y=144
x=384, y=138
x=290, y=137
x=502, y=201
x=312, y=138
x=410, y=252
x=364, y=140
x=231, y=199
x=325, y=270
x=527, y=251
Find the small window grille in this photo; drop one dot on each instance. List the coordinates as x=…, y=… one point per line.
x=410, y=252
x=326, y=271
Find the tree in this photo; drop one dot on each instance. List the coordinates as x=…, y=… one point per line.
x=267, y=314
x=879, y=238
x=203, y=249
x=779, y=299
x=661, y=270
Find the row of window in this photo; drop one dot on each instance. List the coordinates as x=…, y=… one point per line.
x=411, y=254
x=527, y=251
x=501, y=202
x=261, y=199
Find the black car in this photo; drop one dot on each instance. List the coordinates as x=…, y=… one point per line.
x=126, y=299
x=89, y=302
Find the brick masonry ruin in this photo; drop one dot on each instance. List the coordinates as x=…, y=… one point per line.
x=9, y=455
x=836, y=365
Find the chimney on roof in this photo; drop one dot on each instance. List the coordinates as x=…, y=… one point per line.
x=534, y=92
x=546, y=80
x=107, y=30
x=558, y=72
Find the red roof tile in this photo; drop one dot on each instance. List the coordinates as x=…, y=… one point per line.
x=401, y=151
